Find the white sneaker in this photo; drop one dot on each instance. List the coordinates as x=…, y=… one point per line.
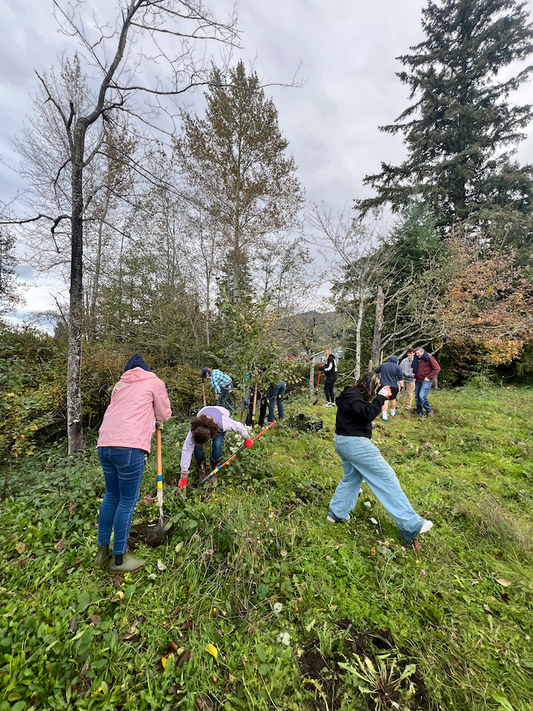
x=425, y=527
x=337, y=520
x=384, y=417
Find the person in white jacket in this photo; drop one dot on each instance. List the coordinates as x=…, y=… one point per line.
x=211, y=423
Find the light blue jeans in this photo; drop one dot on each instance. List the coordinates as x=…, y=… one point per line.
x=361, y=459
x=421, y=397
x=278, y=390
x=123, y=470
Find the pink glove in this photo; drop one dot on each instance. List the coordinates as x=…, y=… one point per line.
x=248, y=443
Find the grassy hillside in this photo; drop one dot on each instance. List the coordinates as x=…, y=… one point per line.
x=256, y=602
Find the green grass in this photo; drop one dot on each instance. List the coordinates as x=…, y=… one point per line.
x=292, y=604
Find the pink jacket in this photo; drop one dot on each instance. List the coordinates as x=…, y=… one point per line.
x=138, y=399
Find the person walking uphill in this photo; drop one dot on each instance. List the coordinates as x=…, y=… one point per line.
x=391, y=375
x=357, y=407
x=222, y=383
x=425, y=368
x=330, y=370
x=212, y=422
x=137, y=401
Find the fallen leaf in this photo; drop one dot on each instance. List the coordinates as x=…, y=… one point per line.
x=204, y=703
x=373, y=520
x=504, y=582
x=487, y=609
x=219, y=632
x=161, y=566
x=73, y=627
x=96, y=619
x=417, y=545
x=129, y=637
x=164, y=661
x=283, y=554
x=21, y=547
x=373, y=550
x=172, y=647
x=184, y=657
x=119, y=596
x=212, y=650
x=72, y=507
x=84, y=668
x=178, y=547
x=60, y=544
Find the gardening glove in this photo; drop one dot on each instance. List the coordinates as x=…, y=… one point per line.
x=385, y=391
x=183, y=480
x=248, y=443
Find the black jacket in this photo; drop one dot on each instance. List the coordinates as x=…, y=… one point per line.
x=355, y=413
x=330, y=367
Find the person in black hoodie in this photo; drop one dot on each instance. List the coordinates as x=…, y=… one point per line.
x=357, y=406
x=330, y=370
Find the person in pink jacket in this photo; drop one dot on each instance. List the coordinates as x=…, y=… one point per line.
x=137, y=401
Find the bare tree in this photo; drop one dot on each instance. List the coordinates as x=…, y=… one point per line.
x=355, y=254
x=123, y=61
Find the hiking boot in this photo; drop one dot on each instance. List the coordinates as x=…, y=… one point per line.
x=102, y=556
x=125, y=563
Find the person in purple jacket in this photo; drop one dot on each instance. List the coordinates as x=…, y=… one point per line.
x=211, y=423
x=392, y=375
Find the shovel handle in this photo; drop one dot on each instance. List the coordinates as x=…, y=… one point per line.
x=159, y=466
x=217, y=469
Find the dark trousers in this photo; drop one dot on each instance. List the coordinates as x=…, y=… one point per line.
x=328, y=389
x=261, y=405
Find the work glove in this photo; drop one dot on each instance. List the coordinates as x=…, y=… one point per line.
x=248, y=443
x=385, y=391
x=183, y=480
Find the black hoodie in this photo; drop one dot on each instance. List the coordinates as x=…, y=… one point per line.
x=355, y=413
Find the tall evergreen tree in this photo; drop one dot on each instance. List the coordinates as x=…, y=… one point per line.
x=460, y=130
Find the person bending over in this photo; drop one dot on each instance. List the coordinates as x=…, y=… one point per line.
x=211, y=423
x=357, y=407
x=391, y=375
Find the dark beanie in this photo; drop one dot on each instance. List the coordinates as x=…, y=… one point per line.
x=136, y=361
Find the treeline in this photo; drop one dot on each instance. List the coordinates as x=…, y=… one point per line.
x=185, y=235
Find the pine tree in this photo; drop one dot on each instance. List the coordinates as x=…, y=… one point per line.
x=461, y=129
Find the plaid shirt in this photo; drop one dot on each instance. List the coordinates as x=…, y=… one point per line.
x=219, y=380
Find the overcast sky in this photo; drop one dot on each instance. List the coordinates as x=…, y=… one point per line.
x=347, y=51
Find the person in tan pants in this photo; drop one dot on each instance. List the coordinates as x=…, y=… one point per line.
x=405, y=398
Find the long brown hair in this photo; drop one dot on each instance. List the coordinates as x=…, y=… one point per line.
x=203, y=429
x=368, y=384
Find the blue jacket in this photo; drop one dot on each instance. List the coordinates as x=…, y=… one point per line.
x=390, y=373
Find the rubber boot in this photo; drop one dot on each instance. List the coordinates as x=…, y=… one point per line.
x=125, y=563
x=102, y=556
x=214, y=465
x=202, y=470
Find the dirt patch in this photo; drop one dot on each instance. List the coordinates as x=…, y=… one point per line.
x=326, y=679
x=321, y=676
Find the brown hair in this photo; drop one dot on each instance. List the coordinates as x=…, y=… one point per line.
x=203, y=429
x=410, y=350
x=368, y=384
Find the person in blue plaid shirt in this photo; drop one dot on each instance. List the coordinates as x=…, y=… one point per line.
x=222, y=384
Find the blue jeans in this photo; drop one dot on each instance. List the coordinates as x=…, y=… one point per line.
x=361, y=459
x=216, y=448
x=223, y=401
x=123, y=471
x=278, y=390
x=421, y=397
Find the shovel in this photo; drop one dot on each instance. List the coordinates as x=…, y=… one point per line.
x=217, y=469
x=157, y=531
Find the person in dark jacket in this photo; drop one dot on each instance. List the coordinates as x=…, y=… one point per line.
x=425, y=368
x=329, y=368
x=392, y=375
x=357, y=407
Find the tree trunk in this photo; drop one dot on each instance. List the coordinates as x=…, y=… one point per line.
x=358, y=324
x=312, y=379
x=378, y=326
x=74, y=420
